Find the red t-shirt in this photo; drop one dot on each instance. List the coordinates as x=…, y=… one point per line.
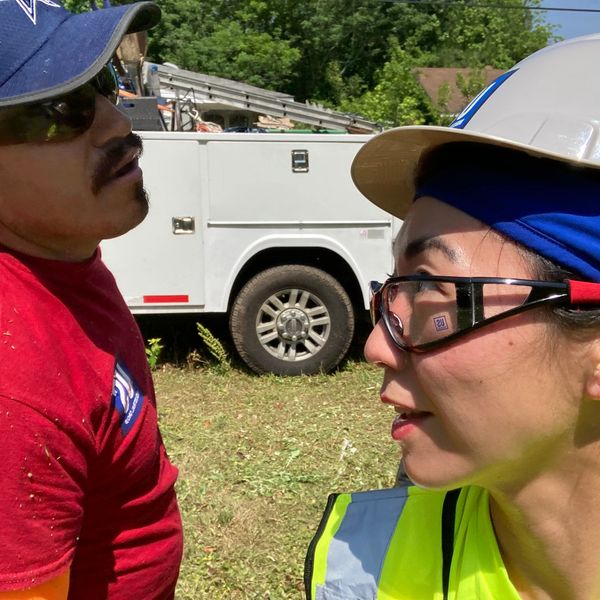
x=85, y=480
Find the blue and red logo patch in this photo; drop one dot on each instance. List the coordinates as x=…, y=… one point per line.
x=127, y=398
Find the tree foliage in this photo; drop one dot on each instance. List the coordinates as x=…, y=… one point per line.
x=461, y=35
x=358, y=54
x=225, y=38
x=397, y=98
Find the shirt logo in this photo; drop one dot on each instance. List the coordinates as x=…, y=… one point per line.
x=29, y=7
x=127, y=398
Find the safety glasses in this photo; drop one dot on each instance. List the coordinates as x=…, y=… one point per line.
x=423, y=312
x=58, y=119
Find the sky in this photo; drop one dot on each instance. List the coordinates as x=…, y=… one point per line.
x=573, y=24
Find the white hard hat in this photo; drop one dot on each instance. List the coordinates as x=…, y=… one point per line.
x=547, y=105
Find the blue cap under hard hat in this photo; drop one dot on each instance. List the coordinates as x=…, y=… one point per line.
x=46, y=51
x=552, y=211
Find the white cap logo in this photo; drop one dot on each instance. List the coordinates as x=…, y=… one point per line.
x=30, y=7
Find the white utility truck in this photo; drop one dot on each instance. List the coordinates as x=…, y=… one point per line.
x=267, y=228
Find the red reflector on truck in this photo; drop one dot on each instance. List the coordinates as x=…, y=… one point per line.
x=165, y=299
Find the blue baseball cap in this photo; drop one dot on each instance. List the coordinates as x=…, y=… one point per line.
x=47, y=51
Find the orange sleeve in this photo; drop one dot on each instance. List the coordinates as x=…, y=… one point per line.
x=55, y=589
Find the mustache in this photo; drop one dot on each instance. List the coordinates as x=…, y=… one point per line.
x=113, y=153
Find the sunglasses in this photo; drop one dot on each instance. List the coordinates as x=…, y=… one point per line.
x=59, y=119
x=423, y=312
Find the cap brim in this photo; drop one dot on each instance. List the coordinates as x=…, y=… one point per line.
x=385, y=168
x=76, y=51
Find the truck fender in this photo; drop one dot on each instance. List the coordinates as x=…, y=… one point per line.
x=293, y=240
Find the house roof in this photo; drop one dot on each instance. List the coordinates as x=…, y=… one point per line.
x=433, y=78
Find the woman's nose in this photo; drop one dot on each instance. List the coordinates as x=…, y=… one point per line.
x=380, y=349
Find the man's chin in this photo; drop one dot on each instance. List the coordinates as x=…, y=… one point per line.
x=142, y=204
x=136, y=213
x=141, y=196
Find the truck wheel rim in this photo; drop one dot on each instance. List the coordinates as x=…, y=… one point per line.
x=293, y=325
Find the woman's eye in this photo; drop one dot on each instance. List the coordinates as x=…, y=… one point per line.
x=425, y=286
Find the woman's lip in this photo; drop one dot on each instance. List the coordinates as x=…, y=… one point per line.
x=405, y=423
x=407, y=419
x=399, y=407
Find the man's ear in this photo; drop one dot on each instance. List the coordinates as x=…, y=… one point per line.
x=592, y=381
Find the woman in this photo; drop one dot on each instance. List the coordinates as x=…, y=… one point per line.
x=488, y=336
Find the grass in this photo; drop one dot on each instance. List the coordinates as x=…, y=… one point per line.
x=257, y=458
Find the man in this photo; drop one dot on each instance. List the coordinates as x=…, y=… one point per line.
x=87, y=498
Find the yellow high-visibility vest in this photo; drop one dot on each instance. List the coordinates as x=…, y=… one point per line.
x=388, y=545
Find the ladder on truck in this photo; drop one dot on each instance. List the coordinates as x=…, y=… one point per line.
x=176, y=84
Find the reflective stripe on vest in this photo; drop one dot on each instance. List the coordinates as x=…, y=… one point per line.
x=345, y=560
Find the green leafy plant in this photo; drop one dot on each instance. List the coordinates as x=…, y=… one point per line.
x=214, y=346
x=470, y=85
x=398, y=98
x=441, y=105
x=153, y=351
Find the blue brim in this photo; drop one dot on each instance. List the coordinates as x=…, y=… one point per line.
x=75, y=52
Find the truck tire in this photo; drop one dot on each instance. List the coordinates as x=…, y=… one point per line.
x=292, y=320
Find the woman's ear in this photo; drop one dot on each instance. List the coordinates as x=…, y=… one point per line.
x=592, y=382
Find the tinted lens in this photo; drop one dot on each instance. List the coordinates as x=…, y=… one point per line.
x=72, y=114
x=421, y=312
x=60, y=119
x=107, y=84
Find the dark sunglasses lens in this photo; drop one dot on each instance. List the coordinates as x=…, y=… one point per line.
x=61, y=119
x=65, y=118
x=73, y=112
x=107, y=84
x=58, y=121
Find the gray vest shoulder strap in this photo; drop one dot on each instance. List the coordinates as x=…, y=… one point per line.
x=357, y=551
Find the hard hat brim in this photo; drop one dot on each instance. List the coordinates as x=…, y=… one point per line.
x=385, y=168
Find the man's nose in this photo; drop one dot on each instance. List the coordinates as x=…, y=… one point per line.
x=109, y=122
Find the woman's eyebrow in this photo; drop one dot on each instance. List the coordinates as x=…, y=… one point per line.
x=433, y=243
